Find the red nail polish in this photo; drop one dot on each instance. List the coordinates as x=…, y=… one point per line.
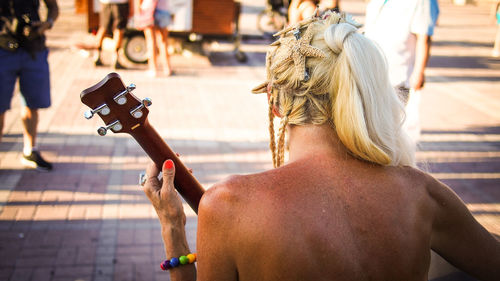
x=169, y=164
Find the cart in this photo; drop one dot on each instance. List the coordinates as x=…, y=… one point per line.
x=209, y=20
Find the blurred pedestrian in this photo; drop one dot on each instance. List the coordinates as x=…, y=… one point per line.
x=156, y=33
x=301, y=9
x=403, y=30
x=23, y=56
x=114, y=15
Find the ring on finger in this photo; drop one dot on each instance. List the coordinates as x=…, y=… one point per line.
x=142, y=178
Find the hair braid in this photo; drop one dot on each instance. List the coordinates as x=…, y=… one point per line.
x=272, y=141
x=281, y=142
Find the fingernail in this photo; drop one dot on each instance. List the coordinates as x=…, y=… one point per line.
x=169, y=164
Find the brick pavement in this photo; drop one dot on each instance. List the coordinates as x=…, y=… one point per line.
x=88, y=220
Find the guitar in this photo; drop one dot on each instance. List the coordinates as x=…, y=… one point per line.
x=122, y=112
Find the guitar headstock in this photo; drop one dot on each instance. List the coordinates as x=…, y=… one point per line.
x=121, y=111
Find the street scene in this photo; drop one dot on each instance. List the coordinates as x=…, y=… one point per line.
x=89, y=219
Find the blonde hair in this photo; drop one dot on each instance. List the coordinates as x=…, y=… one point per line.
x=347, y=87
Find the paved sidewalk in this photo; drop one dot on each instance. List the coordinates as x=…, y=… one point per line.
x=89, y=220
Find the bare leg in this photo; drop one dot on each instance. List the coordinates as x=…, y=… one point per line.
x=99, y=37
x=151, y=44
x=101, y=32
x=117, y=40
x=32, y=158
x=164, y=56
x=30, y=122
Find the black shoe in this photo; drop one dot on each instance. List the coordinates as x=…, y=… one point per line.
x=35, y=160
x=98, y=62
x=119, y=66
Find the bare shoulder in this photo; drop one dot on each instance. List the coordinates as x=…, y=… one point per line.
x=224, y=198
x=418, y=178
x=439, y=193
x=436, y=192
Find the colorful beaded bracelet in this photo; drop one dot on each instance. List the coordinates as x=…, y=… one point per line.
x=175, y=262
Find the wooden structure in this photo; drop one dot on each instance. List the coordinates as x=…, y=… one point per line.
x=215, y=17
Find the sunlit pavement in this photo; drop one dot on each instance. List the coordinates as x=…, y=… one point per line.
x=89, y=220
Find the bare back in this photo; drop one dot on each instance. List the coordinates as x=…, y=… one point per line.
x=319, y=219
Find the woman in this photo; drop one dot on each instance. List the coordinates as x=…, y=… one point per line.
x=301, y=9
x=349, y=204
x=157, y=37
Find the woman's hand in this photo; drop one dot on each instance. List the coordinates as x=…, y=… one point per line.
x=163, y=196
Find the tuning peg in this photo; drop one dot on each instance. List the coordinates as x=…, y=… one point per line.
x=103, y=109
x=120, y=98
x=115, y=127
x=137, y=112
x=147, y=102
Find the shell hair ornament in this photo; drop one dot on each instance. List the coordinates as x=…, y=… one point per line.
x=299, y=47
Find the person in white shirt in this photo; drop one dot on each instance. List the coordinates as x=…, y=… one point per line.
x=403, y=30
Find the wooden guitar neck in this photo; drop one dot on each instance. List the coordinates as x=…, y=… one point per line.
x=158, y=150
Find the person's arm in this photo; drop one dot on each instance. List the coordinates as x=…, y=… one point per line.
x=52, y=14
x=52, y=10
x=459, y=238
x=216, y=243
x=168, y=206
x=422, y=51
x=215, y=221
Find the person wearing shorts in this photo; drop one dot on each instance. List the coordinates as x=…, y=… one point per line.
x=28, y=64
x=162, y=19
x=114, y=16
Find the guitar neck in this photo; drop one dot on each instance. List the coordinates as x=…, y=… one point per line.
x=185, y=183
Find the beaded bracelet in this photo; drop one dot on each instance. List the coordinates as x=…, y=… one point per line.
x=175, y=262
